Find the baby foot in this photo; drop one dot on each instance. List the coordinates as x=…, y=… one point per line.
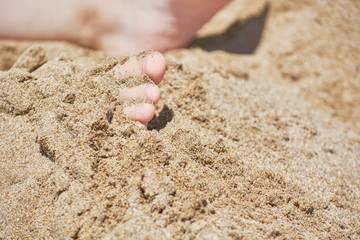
x=154, y=66
x=118, y=27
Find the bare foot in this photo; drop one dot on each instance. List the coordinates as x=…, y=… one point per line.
x=153, y=65
x=119, y=27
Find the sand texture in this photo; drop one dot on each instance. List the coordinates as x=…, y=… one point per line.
x=256, y=135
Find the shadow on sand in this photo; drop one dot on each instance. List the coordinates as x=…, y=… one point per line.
x=159, y=122
x=239, y=38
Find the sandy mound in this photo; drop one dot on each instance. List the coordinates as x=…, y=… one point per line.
x=259, y=140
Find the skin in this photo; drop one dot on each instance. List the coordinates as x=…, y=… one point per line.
x=118, y=27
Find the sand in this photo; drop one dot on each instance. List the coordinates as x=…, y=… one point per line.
x=256, y=136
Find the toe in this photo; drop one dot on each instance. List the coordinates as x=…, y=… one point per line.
x=153, y=65
x=142, y=112
x=146, y=90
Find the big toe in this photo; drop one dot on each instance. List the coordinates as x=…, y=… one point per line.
x=153, y=65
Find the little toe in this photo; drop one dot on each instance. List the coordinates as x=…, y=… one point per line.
x=142, y=112
x=153, y=65
x=146, y=90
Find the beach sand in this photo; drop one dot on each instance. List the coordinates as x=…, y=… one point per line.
x=256, y=135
